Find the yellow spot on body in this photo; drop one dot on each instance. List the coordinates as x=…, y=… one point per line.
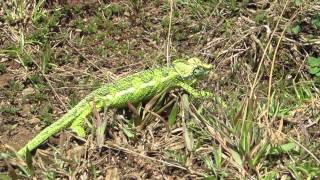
x=108, y=97
x=148, y=84
x=124, y=92
x=164, y=79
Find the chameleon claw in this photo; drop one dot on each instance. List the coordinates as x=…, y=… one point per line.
x=79, y=131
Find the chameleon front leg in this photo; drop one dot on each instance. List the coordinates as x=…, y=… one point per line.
x=201, y=94
x=195, y=93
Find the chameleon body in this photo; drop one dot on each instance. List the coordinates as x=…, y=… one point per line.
x=133, y=89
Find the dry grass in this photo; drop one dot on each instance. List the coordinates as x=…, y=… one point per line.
x=263, y=123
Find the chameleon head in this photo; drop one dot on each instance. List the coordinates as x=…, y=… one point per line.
x=192, y=68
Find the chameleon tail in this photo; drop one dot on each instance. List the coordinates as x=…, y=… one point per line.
x=76, y=114
x=49, y=131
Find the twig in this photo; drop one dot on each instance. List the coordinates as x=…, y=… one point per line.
x=169, y=34
x=51, y=87
x=275, y=56
x=265, y=51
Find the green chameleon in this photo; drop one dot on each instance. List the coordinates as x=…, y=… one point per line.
x=133, y=89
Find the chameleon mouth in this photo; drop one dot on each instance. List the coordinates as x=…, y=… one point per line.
x=205, y=65
x=208, y=67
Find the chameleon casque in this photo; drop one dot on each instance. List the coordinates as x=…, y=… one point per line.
x=134, y=88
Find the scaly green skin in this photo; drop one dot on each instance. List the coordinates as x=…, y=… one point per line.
x=134, y=88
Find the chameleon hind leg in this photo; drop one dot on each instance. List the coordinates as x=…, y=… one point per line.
x=78, y=122
x=77, y=125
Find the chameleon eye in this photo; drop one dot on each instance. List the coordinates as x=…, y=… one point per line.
x=198, y=71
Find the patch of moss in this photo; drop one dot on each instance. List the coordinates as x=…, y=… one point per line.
x=9, y=110
x=112, y=9
x=15, y=86
x=45, y=113
x=3, y=69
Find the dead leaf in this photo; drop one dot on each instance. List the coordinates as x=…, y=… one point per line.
x=28, y=91
x=26, y=110
x=100, y=125
x=5, y=79
x=112, y=174
x=34, y=120
x=76, y=153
